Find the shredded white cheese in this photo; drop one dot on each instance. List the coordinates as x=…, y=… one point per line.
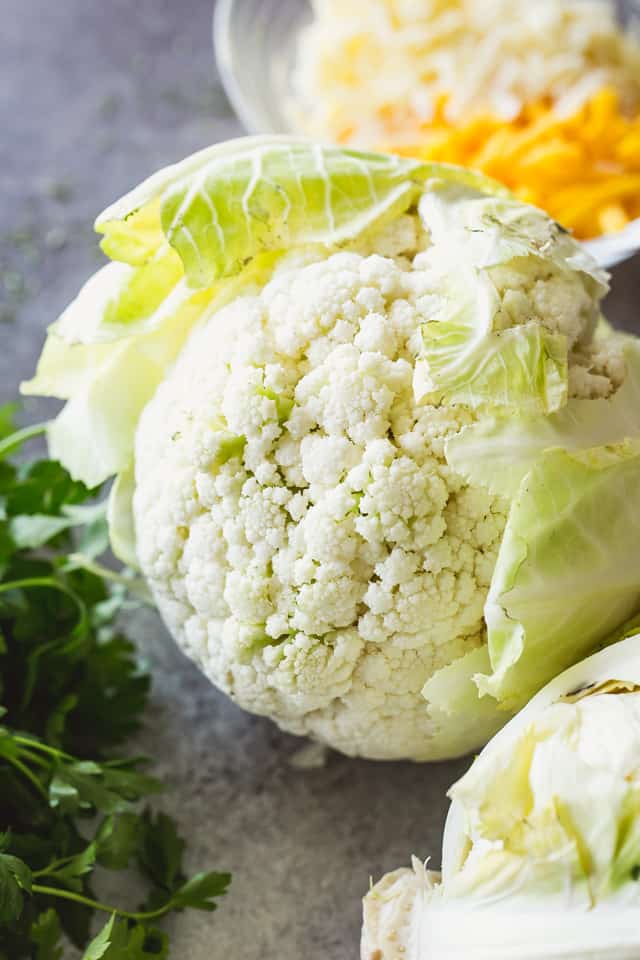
x=370, y=69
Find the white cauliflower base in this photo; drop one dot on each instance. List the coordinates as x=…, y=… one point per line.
x=333, y=562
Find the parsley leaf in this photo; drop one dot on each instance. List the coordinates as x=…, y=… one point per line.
x=160, y=855
x=118, y=840
x=72, y=690
x=89, y=787
x=118, y=941
x=200, y=891
x=46, y=935
x=15, y=881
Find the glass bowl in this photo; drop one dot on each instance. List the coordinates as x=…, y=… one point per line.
x=255, y=44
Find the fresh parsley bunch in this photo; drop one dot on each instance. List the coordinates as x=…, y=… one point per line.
x=71, y=691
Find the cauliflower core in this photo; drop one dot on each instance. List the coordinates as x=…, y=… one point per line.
x=303, y=535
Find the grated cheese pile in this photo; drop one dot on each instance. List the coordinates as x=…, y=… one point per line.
x=584, y=169
x=544, y=95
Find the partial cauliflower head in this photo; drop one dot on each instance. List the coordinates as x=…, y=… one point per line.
x=375, y=445
x=541, y=854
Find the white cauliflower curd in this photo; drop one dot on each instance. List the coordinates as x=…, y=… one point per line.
x=327, y=570
x=376, y=437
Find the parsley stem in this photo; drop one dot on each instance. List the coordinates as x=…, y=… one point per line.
x=33, y=757
x=39, y=745
x=96, y=905
x=52, y=867
x=50, y=584
x=15, y=440
x=29, y=775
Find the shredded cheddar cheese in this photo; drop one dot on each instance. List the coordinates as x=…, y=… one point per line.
x=543, y=95
x=583, y=169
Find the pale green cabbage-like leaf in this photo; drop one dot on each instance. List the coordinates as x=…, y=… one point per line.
x=107, y=384
x=230, y=202
x=467, y=360
x=93, y=435
x=497, y=451
x=471, y=354
x=110, y=308
x=122, y=301
x=568, y=569
x=617, y=662
x=453, y=692
x=120, y=517
x=107, y=359
x=486, y=231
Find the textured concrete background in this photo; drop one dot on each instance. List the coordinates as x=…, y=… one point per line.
x=94, y=95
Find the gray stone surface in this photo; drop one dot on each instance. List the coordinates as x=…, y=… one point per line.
x=95, y=95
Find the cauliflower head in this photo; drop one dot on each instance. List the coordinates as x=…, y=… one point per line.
x=542, y=843
x=356, y=407
x=297, y=519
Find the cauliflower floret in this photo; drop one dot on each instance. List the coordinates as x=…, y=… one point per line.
x=560, y=301
x=322, y=561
